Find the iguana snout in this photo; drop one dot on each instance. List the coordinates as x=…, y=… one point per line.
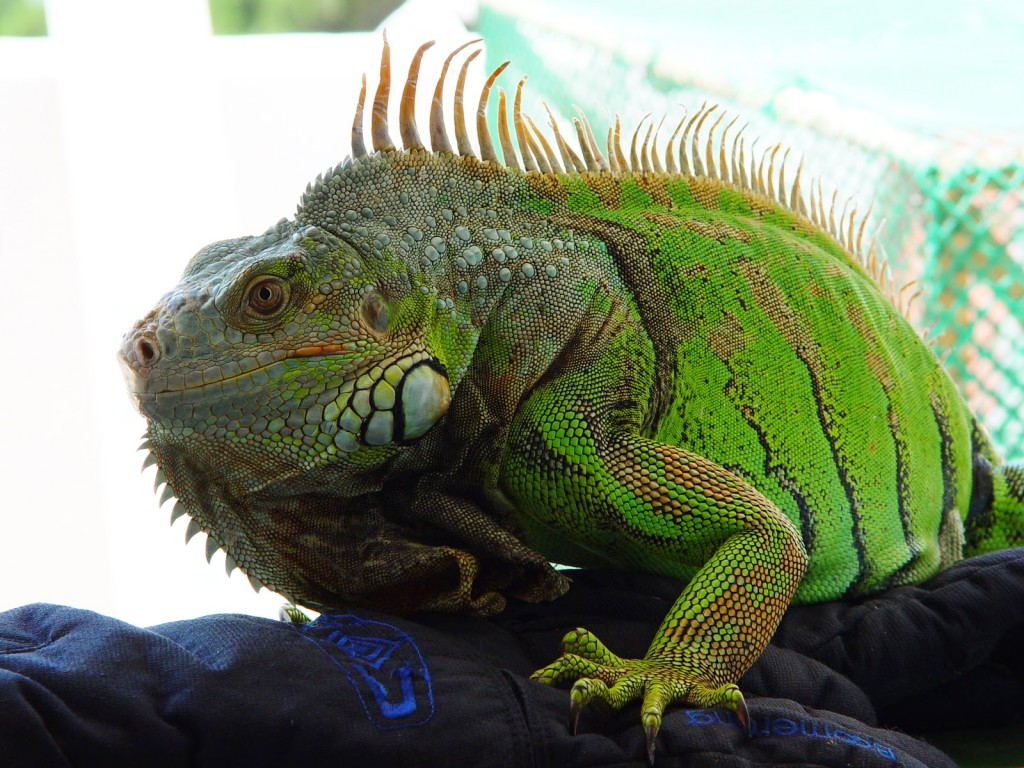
x=170, y=330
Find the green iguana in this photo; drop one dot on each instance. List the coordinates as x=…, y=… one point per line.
x=450, y=370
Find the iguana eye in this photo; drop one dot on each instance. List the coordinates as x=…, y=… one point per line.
x=266, y=296
x=376, y=312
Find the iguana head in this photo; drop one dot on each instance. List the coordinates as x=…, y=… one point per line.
x=288, y=347
x=339, y=337
x=278, y=367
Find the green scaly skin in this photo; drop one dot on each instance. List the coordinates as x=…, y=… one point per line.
x=445, y=373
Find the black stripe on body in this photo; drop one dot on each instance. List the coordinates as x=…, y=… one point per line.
x=853, y=505
x=634, y=257
x=979, y=520
x=772, y=301
x=782, y=477
x=899, y=576
x=949, y=479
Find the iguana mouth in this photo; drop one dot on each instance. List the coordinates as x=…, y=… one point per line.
x=141, y=380
x=393, y=401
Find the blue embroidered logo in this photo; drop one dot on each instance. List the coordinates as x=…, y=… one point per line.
x=381, y=663
x=784, y=726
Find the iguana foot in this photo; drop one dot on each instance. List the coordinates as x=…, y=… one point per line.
x=611, y=682
x=293, y=614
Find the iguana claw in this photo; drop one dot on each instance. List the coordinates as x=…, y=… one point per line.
x=652, y=733
x=742, y=714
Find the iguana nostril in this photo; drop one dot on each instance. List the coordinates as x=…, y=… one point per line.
x=146, y=351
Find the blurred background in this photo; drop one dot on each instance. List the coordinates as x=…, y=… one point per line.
x=133, y=132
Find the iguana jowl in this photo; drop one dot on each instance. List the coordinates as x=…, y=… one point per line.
x=446, y=372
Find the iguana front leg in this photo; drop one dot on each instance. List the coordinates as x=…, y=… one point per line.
x=581, y=475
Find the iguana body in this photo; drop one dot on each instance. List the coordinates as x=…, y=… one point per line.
x=447, y=372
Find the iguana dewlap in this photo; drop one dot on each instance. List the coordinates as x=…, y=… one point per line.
x=450, y=370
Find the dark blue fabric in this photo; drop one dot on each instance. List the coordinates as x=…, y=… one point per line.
x=77, y=688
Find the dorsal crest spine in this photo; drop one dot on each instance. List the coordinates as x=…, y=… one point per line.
x=711, y=152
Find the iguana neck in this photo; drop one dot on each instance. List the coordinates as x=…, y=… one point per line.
x=443, y=220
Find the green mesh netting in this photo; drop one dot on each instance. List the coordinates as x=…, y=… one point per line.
x=948, y=207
